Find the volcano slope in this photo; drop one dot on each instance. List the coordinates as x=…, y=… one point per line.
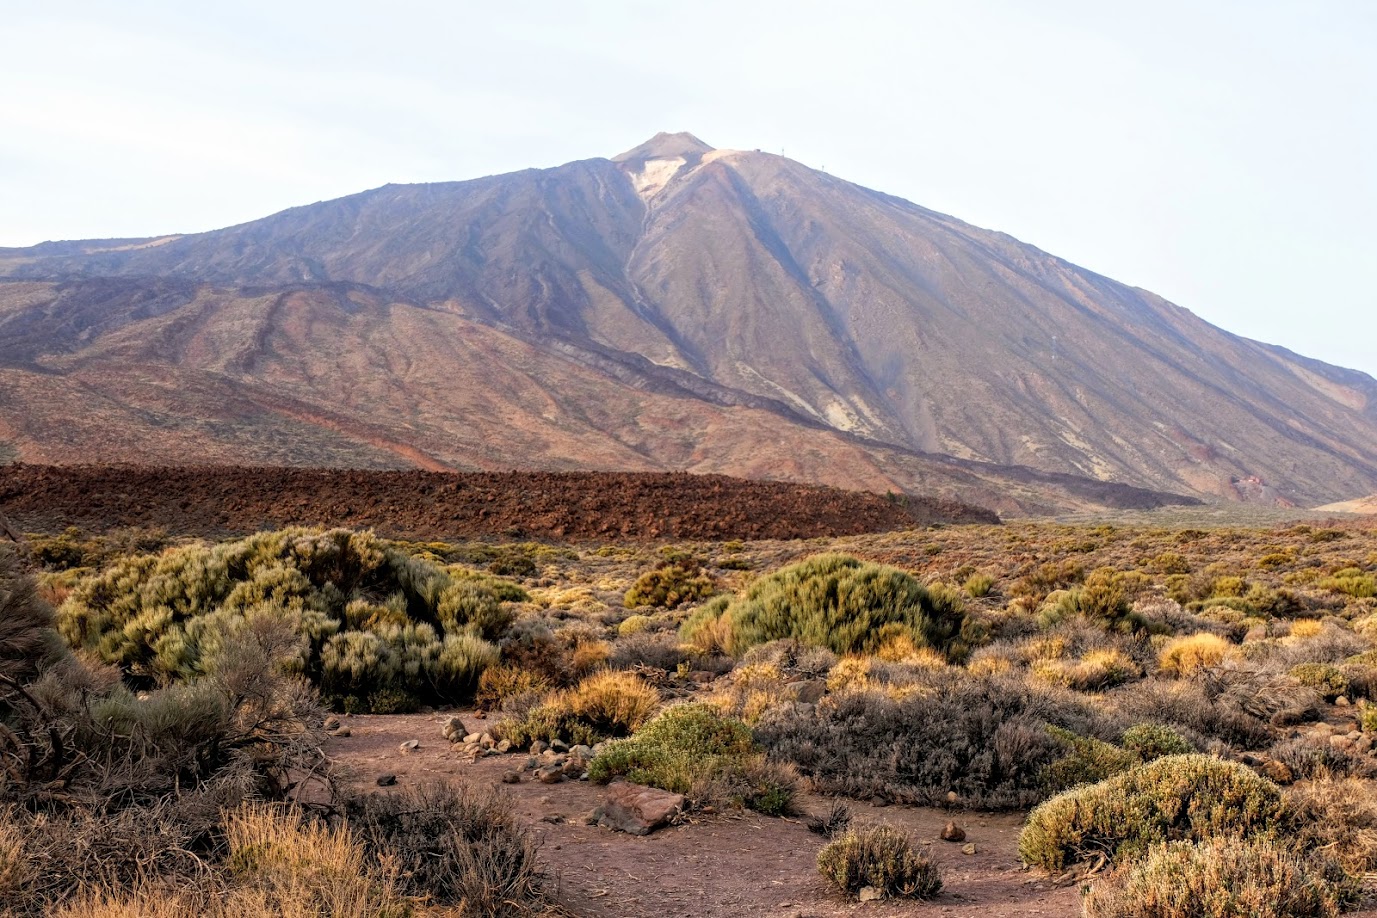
x=675, y=307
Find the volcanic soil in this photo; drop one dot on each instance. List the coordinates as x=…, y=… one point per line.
x=715, y=866
x=570, y=506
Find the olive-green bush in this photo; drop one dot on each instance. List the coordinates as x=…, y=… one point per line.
x=1217, y=878
x=833, y=601
x=693, y=749
x=378, y=629
x=1174, y=798
x=882, y=858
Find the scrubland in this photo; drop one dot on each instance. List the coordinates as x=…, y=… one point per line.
x=1184, y=715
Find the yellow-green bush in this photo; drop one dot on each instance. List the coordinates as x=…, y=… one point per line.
x=1217, y=878
x=671, y=585
x=832, y=601
x=1351, y=582
x=603, y=706
x=694, y=749
x=1175, y=798
x=1184, y=656
x=1328, y=680
x=880, y=857
x=378, y=629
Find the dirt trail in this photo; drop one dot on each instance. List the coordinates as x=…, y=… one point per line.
x=713, y=867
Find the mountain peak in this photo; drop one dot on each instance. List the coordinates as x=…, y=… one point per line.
x=666, y=146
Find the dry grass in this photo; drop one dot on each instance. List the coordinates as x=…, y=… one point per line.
x=1185, y=656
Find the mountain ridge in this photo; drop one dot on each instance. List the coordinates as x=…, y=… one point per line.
x=746, y=280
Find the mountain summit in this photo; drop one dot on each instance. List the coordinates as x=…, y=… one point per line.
x=676, y=307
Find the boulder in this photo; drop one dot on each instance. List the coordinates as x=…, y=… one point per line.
x=808, y=691
x=636, y=809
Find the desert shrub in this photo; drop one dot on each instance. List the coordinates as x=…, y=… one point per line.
x=978, y=585
x=1039, y=581
x=1239, y=707
x=1339, y=817
x=1176, y=798
x=375, y=624
x=982, y=737
x=1351, y=582
x=26, y=623
x=1096, y=670
x=1328, y=680
x=832, y=601
x=1304, y=758
x=835, y=820
x=634, y=624
x=603, y=706
x=660, y=650
x=1216, y=878
x=1170, y=562
x=671, y=584
x=1149, y=741
x=1104, y=597
x=880, y=857
x=452, y=844
x=500, y=682
x=1086, y=761
x=1184, y=656
x=793, y=659
x=693, y=749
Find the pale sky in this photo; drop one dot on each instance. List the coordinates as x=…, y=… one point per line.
x=1222, y=153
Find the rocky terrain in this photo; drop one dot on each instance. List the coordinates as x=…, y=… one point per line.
x=576, y=506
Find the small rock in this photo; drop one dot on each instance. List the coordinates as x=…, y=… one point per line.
x=968, y=848
x=504, y=747
x=386, y=780
x=538, y=746
x=953, y=833
x=454, y=730
x=409, y=746
x=582, y=751
x=486, y=741
x=589, y=819
x=636, y=809
x=1341, y=702
x=529, y=764
x=332, y=723
x=552, y=818
x=1340, y=742
x=701, y=676
x=559, y=745
x=341, y=731
x=870, y=894
x=807, y=691
x=549, y=775
x=953, y=797
x=472, y=738
x=511, y=777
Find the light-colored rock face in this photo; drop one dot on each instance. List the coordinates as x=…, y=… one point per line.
x=648, y=311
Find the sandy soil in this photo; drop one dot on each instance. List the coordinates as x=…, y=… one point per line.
x=713, y=866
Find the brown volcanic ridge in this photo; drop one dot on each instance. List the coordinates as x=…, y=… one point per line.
x=673, y=308
x=567, y=506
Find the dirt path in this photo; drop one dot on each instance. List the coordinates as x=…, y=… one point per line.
x=713, y=867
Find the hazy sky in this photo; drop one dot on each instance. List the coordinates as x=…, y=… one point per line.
x=1220, y=153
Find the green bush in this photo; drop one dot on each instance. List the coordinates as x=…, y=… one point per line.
x=603, y=706
x=1328, y=680
x=671, y=585
x=1150, y=741
x=692, y=749
x=1217, y=878
x=1087, y=761
x=1351, y=582
x=832, y=601
x=1175, y=798
x=882, y=858
x=377, y=628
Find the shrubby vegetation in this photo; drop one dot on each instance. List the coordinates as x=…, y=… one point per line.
x=831, y=601
x=376, y=629
x=882, y=858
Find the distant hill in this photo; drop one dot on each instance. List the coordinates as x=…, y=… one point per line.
x=674, y=307
x=1361, y=505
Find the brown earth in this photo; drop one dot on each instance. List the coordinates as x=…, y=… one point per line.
x=712, y=866
x=572, y=506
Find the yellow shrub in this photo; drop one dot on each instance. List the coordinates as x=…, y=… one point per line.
x=589, y=655
x=1306, y=628
x=989, y=666
x=1184, y=656
x=618, y=701
x=1098, y=669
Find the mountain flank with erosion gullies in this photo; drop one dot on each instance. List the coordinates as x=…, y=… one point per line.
x=676, y=307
